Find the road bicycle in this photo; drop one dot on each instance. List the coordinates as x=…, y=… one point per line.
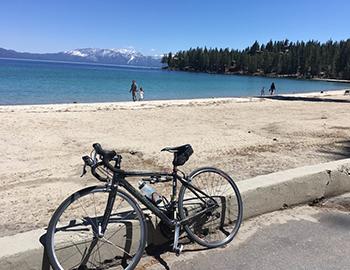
x=103, y=227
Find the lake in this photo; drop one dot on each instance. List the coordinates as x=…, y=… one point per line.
x=39, y=82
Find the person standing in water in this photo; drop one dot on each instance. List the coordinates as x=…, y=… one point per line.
x=141, y=92
x=133, y=90
x=272, y=88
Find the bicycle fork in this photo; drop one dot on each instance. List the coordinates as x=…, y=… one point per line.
x=177, y=248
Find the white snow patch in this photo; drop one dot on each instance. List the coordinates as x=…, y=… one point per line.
x=77, y=53
x=131, y=58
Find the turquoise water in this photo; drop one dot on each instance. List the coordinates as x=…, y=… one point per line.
x=36, y=82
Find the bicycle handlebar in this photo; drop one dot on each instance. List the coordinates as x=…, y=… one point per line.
x=106, y=156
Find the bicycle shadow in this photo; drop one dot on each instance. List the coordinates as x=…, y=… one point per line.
x=153, y=250
x=164, y=245
x=160, y=242
x=156, y=251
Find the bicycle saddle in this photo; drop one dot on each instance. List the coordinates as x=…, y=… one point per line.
x=181, y=153
x=176, y=149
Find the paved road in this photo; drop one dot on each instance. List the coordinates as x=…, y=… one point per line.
x=299, y=238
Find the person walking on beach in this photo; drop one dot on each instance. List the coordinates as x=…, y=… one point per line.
x=272, y=88
x=141, y=92
x=133, y=90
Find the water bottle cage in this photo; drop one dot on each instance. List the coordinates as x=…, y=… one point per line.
x=158, y=179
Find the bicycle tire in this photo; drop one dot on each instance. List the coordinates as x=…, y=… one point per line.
x=199, y=230
x=89, y=223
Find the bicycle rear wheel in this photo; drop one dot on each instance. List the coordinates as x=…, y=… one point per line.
x=74, y=239
x=216, y=227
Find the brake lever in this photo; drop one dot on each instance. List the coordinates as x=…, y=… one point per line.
x=87, y=162
x=84, y=171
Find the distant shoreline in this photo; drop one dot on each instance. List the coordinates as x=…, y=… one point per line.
x=277, y=76
x=77, y=63
x=331, y=80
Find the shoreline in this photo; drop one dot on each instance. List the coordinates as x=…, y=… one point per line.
x=162, y=102
x=331, y=80
x=276, y=76
x=132, y=104
x=77, y=63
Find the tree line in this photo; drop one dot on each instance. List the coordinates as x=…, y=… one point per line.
x=311, y=59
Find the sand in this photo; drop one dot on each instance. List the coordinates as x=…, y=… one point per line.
x=41, y=145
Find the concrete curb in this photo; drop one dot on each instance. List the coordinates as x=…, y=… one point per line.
x=276, y=191
x=260, y=194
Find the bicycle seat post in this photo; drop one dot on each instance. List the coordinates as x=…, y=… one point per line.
x=173, y=203
x=118, y=160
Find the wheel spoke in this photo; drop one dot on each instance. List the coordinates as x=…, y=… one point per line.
x=71, y=256
x=76, y=242
x=214, y=227
x=116, y=246
x=92, y=225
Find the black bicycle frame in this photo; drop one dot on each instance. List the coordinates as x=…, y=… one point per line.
x=119, y=180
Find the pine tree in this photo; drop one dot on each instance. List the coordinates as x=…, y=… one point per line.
x=310, y=59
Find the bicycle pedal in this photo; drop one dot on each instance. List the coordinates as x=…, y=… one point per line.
x=178, y=250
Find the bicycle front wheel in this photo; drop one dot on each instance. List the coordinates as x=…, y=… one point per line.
x=219, y=225
x=75, y=240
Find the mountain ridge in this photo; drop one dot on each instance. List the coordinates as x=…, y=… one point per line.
x=115, y=56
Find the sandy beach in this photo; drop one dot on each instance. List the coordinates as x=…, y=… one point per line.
x=42, y=145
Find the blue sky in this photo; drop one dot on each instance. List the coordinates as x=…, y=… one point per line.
x=158, y=26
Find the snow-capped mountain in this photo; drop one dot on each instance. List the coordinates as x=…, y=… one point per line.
x=123, y=56
x=127, y=56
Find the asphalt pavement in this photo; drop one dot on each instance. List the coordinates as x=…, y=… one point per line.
x=305, y=237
